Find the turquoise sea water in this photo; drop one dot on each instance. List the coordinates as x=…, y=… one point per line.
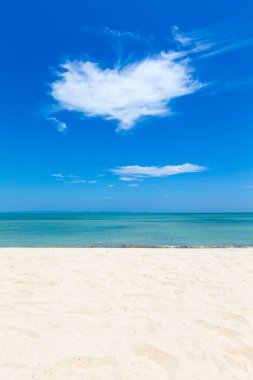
x=116, y=229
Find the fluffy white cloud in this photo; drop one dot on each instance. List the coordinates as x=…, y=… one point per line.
x=142, y=88
x=131, y=173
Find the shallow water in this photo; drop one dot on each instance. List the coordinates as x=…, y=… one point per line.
x=125, y=229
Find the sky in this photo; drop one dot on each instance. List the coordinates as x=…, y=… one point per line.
x=137, y=106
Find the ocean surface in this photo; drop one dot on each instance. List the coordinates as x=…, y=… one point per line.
x=123, y=229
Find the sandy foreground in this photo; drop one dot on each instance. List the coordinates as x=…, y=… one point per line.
x=126, y=314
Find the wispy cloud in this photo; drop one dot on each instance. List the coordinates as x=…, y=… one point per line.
x=142, y=88
x=106, y=31
x=211, y=41
x=135, y=172
x=133, y=185
x=58, y=175
x=195, y=41
x=78, y=181
x=178, y=36
x=60, y=125
x=127, y=179
x=72, y=178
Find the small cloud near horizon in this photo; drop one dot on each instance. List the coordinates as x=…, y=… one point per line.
x=136, y=172
x=58, y=175
x=78, y=181
x=72, y=178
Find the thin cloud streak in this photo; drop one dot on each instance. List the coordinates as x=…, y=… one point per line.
x=80, y=181
x=60, y=125
x=211, y=41
x=136, y=172
x=124, y=34
x=73, y=179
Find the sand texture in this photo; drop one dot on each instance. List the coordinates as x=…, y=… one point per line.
x=126, y=314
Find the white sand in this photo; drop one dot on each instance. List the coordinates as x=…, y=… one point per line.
x=151, y=314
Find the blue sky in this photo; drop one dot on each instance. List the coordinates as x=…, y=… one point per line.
x=126, y=106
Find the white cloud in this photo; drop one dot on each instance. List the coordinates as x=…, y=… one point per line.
x=146, y=87
x=133, y=185
x=183, y=39
x=196, y=41
x=72, y=178
x=77, y=181
x=142, y=88
x=127, y=179
x=211, y=41
x=60, y=125
x=131, y=173
x=114, y=33
x=111, y=185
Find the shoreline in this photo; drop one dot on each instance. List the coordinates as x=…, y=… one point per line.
x=126, y=313
x=131, y=247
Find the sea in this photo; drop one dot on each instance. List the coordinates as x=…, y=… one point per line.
x=126, y=230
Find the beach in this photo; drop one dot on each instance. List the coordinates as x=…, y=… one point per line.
x=126, y=313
